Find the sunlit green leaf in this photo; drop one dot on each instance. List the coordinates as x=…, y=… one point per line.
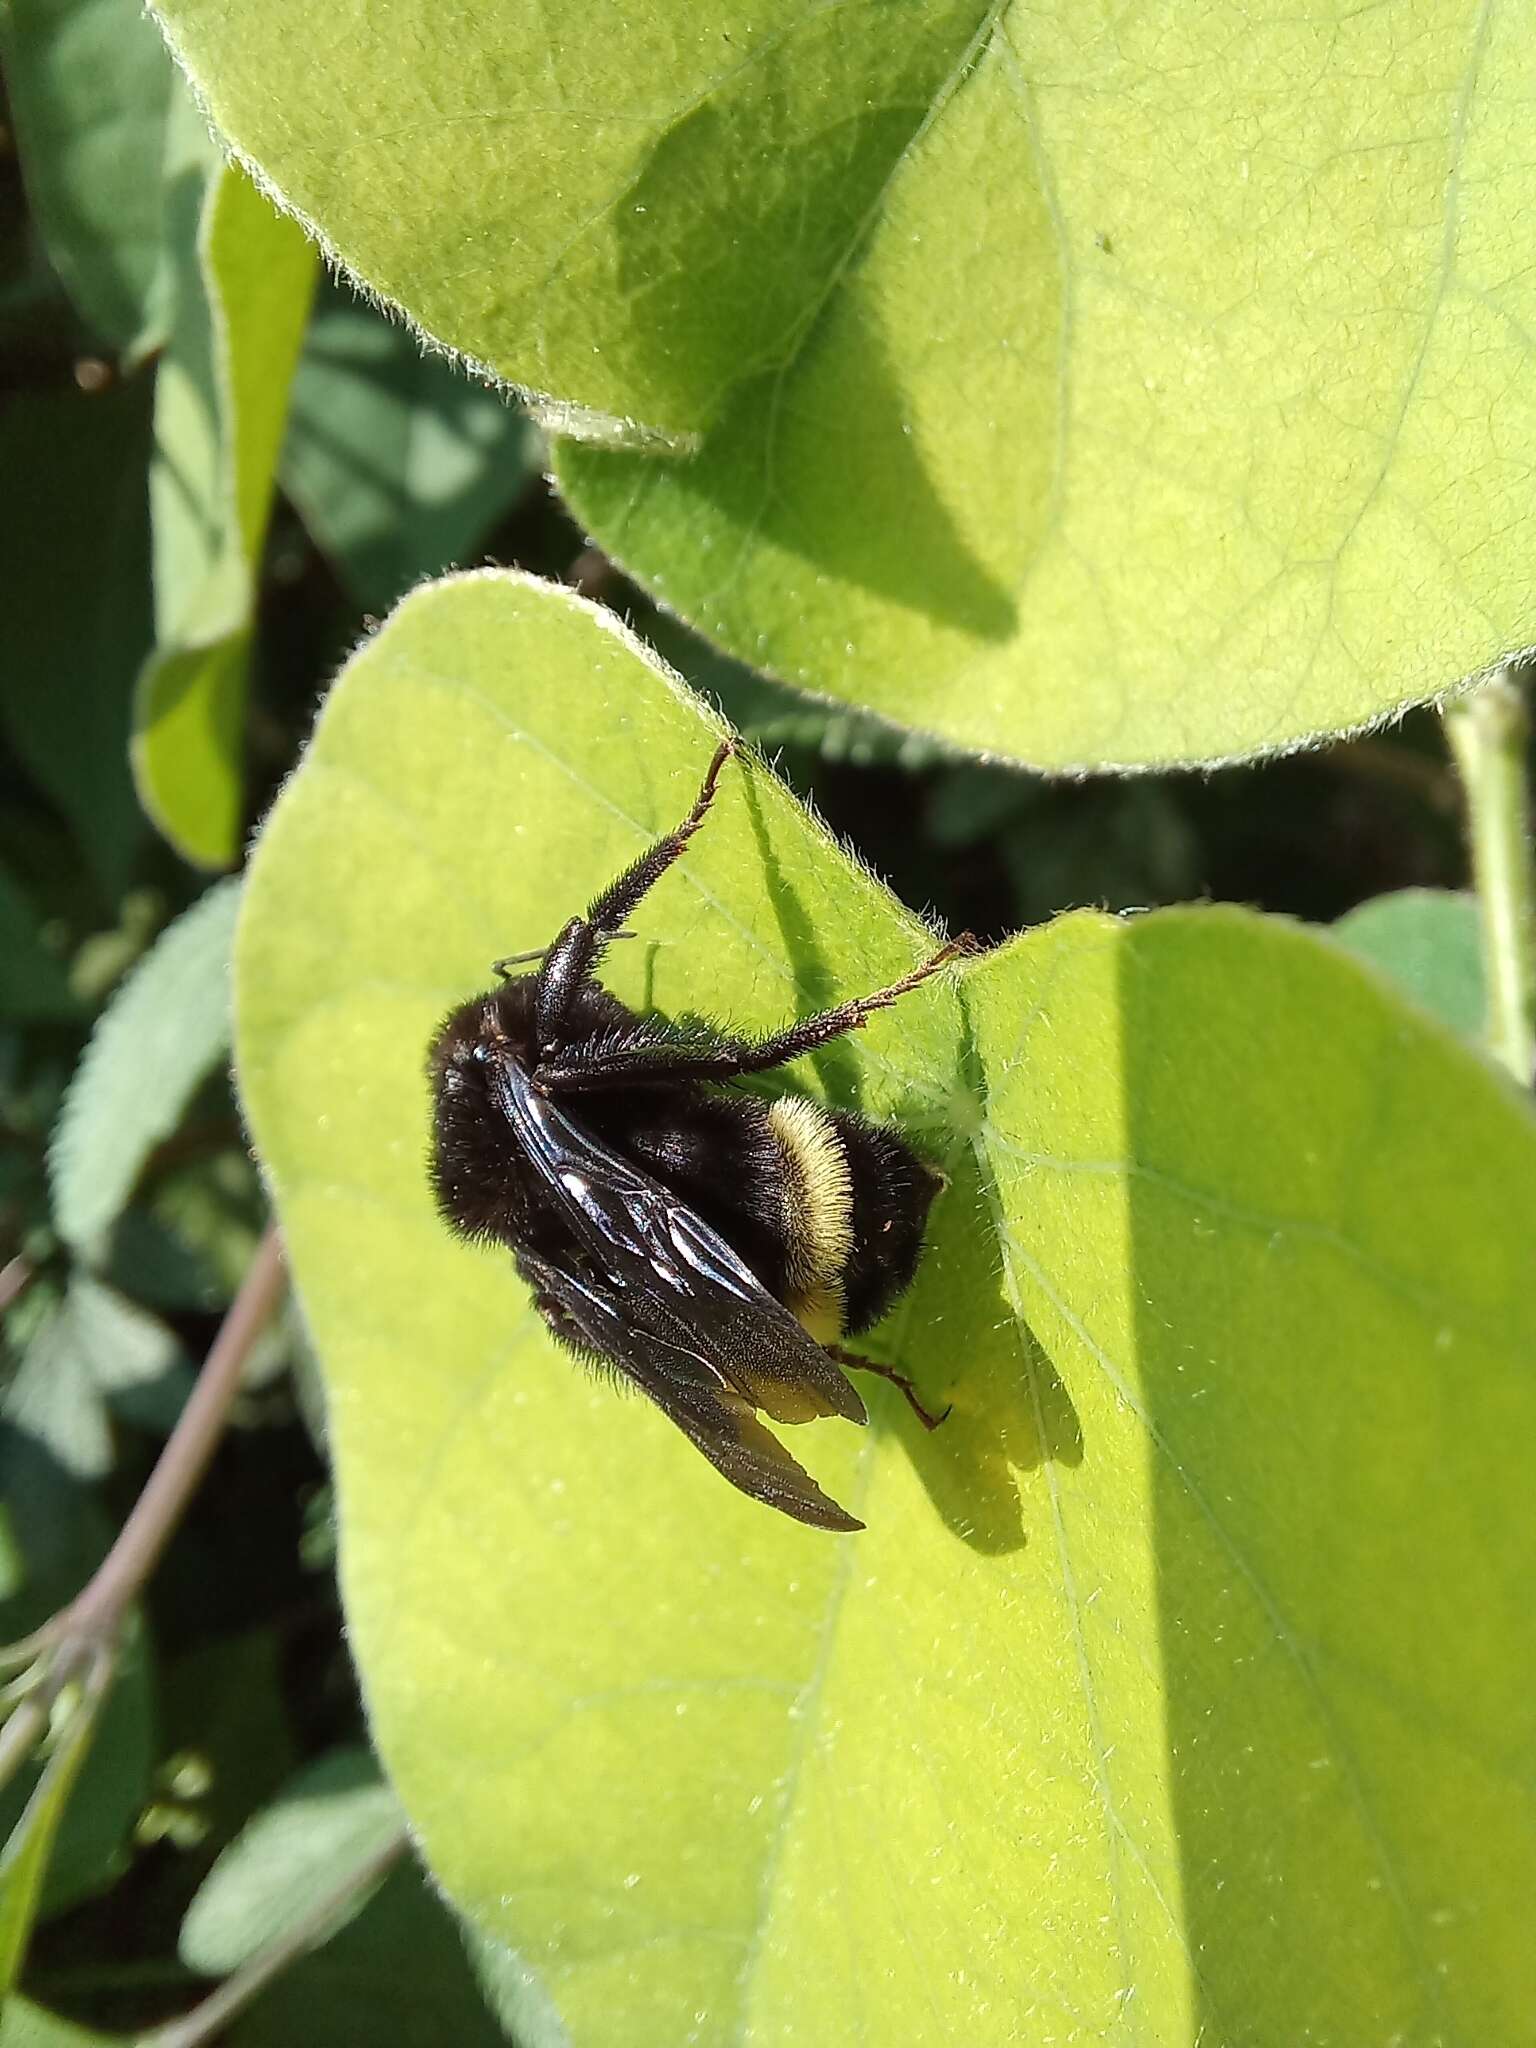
x=1087, y=389
x=1179, y=1686
x=89, y=85
x=1427, y=940
x=398, y=461
x=154, y=1045
x=220, y=405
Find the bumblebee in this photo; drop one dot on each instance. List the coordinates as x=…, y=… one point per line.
x=704, y=1244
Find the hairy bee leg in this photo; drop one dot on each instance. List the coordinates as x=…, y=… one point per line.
x=897, y=1379
x=607, y=912
x=571, y=958
x=812, y=1032
x=621, y=1064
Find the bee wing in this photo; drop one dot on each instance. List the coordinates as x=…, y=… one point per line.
x=713, y=1416
x=695, y=1320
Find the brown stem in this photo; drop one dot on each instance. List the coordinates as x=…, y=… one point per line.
x=92, y=1619
x=16, y=1276
x=152, y=1521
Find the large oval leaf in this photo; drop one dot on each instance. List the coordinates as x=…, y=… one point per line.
x=1094, y=391
x=1179, y=1686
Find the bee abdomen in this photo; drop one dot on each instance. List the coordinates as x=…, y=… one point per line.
x=893, y=1190
x=856, y=1198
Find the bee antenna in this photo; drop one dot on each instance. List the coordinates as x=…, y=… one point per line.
x=522, y=959
x=501, y=966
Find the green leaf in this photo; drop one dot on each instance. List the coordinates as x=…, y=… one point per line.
x=220, y=405
x=189, y=1241
x=89, y=87
x=156, y=1042
x=392, y=1970
x=1428, y=941
x=395, y=1977
x=24, y=1858
x=71, y=641
x=1119, y=1717
x=397, y=461
x=25, y=2025
x=332, y=1817
x=53, y=1398
x=1086, y=391
x=135, y=1363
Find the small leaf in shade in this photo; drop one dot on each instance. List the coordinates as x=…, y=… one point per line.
x=135, y=1362
x=286, y=1862
x=398, y=461
x=1428, y=941
x=1191, y=1656
x=396, y=1976
x=392, y=1969
x=244, y=283
x=53, y=1398
x=154, y=1045
x=70, y=640
x=186, y=1242
x=89, y=85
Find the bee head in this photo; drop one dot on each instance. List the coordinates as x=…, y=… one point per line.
x=470, y=1157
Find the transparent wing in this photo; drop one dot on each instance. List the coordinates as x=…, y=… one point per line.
x=661, y=1293
x=713, y=1416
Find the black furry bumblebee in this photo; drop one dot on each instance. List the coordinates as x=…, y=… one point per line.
x=704, y=1244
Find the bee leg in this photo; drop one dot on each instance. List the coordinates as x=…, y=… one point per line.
x=644, y=1059
x=897, y=1379
x=607, y=912
x=571, y=959
x=812, y=1032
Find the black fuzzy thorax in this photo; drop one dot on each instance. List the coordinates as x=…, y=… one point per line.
x=714, y=1147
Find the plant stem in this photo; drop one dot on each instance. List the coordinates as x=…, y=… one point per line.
x=1489, y=734
x=237, y=1991
x=155, y=1514
x=16, y=1276
x=89, y=1626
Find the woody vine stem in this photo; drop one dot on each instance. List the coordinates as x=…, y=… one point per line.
x=82, y=1638
x=1489, y=732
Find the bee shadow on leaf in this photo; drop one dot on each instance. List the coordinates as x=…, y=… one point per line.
x=960, y=1337
x=955, y=1332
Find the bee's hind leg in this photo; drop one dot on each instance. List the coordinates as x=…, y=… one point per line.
x=897, y=1379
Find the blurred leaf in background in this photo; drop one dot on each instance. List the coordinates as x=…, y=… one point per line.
x=398, y=460
x=242, y=283
x=91, y=90
x=1427, y=940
